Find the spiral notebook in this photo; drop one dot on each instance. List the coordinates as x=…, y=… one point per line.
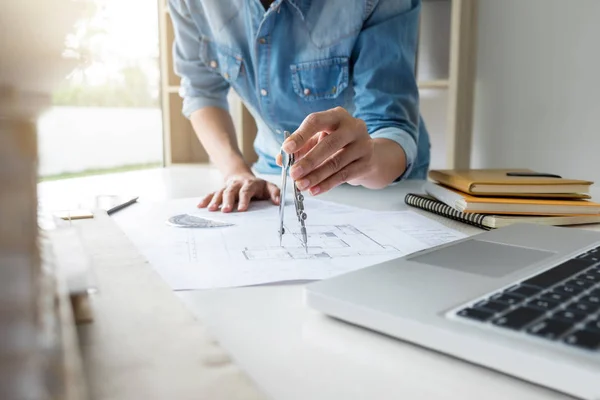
x=488, y=221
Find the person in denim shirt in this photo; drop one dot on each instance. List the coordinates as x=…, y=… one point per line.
x=339, y=74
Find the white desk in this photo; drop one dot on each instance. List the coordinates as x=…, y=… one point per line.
x=293, y=352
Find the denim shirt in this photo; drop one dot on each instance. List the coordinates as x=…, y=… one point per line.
x=303, y=56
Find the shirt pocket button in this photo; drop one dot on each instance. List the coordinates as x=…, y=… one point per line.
x=320, y=79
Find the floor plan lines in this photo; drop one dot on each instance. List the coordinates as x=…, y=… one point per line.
x=324, y=242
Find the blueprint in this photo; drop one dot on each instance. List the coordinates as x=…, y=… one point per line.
x=325, y=242
x=246, y=250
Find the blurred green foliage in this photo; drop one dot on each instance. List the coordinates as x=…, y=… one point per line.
x=128, y=86
x=133, y=90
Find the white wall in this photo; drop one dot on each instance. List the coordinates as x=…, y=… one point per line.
x=537, y=100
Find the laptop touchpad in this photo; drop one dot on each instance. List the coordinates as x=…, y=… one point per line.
x=483, y=258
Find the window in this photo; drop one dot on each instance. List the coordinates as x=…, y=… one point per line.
x=106, y=116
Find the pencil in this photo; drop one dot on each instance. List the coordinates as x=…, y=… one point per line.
x=122, y=206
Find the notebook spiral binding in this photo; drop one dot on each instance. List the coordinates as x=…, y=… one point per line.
x=430, y=204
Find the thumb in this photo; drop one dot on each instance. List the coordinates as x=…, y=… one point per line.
x=314, y=123
x=274, y=193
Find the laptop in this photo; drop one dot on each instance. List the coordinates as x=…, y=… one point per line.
x=523, y=300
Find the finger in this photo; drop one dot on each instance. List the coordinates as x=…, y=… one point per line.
x=247, y=191
x=305, y=149
x=230, y=195
x=204, y=202
x=327, y=121
x=216, y=201
x=326, y=148
x=274, y=193
x=331, y=166
x=343, y=175
x=312, y=142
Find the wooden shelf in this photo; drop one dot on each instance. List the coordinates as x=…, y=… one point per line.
x=463, y=39
x=453, y=21
x=167, y=36
x=434, y=84
x=181, y=146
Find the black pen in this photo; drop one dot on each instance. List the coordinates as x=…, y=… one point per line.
x=122, y=206
x=533, y=174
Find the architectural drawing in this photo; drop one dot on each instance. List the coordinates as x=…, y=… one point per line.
x=324, y=242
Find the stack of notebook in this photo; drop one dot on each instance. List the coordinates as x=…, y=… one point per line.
x=493, y=198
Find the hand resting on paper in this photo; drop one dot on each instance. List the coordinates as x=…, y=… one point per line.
x=240, y=189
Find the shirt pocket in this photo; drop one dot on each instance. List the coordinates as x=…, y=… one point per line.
x=320, y=79
x=222, y=59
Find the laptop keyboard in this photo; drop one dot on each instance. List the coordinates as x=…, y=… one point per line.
x=561, y=304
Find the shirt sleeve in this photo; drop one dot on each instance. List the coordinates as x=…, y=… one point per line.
x=383, y=59
x=201, y=86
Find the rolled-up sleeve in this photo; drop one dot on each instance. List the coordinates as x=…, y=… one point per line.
x=386, y=92
x=201, y=86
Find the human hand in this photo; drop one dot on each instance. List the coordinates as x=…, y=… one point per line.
x=331, y=148
x=241, y=188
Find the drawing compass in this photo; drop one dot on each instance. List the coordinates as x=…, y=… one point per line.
x=287, y=160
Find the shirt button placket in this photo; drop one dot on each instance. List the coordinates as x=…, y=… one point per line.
x=263, y=51
x=262, y=42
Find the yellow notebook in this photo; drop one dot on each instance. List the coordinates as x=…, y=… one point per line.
x=511, y=182
x=510, y=205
